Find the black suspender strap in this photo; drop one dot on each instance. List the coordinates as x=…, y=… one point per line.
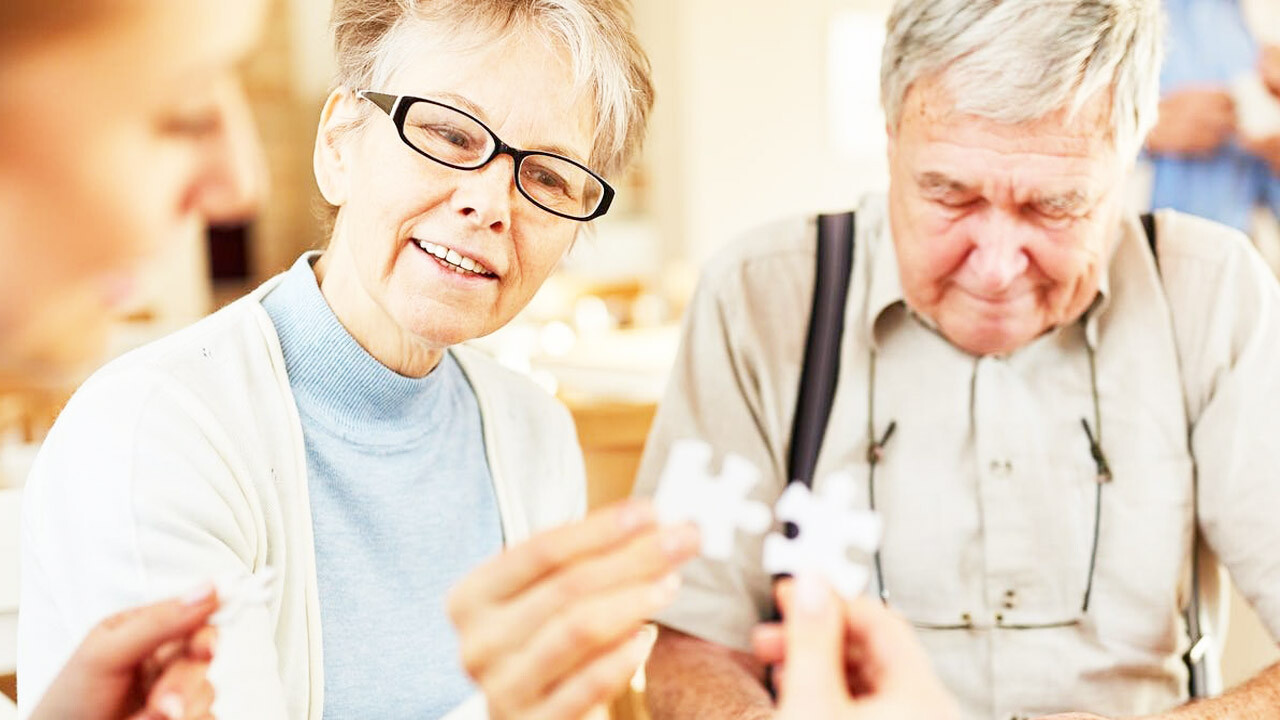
x=1195, y=659
x=1149, y=226
x=822, y=349
x=833, y=268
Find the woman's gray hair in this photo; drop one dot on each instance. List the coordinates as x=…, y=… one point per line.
x=1014, y=61
x=598, y=35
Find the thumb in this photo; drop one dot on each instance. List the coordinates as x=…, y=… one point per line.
x=123, y=640
x=815, y=634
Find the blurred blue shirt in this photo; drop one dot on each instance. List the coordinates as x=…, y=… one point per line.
x=1209, y=44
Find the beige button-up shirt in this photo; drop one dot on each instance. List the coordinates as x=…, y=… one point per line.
x=988, y=489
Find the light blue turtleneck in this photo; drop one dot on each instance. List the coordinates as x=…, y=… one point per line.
x=402, y=506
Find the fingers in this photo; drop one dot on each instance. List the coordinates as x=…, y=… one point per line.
x=1269, y=67
x=517, y=568
x=578, y=633
x=647, y=558
x=893, y=662
x=153, y=666
x=596, y=682
x=1193, y=121
x=769, y=643
x=815, y=635
x=183, y=692
x=203, y=643
x=124, y=641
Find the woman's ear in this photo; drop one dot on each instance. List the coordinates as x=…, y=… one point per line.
x=331, y=158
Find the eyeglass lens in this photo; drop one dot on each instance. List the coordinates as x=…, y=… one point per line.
x=451, y=137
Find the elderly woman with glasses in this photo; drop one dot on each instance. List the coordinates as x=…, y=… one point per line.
x=329, y=428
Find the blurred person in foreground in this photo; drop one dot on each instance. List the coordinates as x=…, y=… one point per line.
x=120, y=124
x=1045, y=406
x=333, y=427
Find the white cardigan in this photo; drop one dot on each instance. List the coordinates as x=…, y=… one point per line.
x=183, y=462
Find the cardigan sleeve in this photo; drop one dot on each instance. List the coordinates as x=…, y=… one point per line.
x=131, y=500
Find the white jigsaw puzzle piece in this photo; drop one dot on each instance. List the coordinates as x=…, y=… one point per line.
x=829, y=529
x=717, y=504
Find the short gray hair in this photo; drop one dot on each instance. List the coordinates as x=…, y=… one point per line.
x=1014, y=61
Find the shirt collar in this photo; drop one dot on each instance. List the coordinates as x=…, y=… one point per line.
x=884, y=292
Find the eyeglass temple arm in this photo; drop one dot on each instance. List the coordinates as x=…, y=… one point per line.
x=382, y=100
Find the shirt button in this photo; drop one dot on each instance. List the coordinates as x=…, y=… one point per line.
x=1001, y=467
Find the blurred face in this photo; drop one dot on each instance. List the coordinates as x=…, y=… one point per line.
x=1001, y=231
x=115, y=137
x=400, y=210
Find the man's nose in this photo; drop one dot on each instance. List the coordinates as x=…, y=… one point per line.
x=231, y=173
x=999, y=256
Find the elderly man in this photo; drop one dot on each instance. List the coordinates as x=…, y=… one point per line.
x=1067, y=405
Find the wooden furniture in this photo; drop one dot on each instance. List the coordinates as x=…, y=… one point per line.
x=612, y=436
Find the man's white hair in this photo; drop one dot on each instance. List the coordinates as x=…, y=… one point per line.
x=1014, y=61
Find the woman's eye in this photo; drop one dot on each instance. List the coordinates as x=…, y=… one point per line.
x=453, y=136
x=548, y=180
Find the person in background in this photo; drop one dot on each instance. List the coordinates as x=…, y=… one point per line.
x=333, y=427
x=1270, y=67
x=1203, y=163
x=1048, y=409
x=106, y=154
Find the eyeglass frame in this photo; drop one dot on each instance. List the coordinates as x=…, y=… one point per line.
x=875, y=453
x=397, y=108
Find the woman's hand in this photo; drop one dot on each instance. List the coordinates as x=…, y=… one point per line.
x=146, y=663
x=550, y=629
x=1193, y=122
x=848, y=661
x=1269, y=68
x=1267, y=149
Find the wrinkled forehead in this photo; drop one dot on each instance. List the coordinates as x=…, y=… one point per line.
x=458, y=39
x=519, y=79
x=932, y=118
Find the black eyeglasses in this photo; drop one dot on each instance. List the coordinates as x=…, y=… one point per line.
x=875, y=453
x=458, y=140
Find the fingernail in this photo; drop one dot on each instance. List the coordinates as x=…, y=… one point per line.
x=170, y=704
x=198, y=596
x=664, y=591
x=811, y=593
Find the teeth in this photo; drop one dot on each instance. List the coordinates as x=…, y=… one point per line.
x=460, y=263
